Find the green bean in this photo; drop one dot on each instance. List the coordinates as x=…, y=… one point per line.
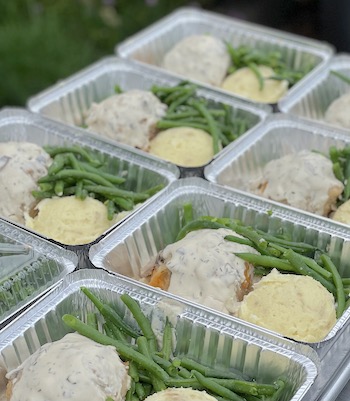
x=297, y=246
x=91, y=320
x=130, y=393
x=167, y=343
x=213, y=128
x=190, y=364
x=114, y=179
x=280, y=384
x=55, y=150
x=123, y=350
x=254, y=68
x=192, y=113
x=109, y=399
x=153, y=190
x=346, y=191
x=141, y=319
x=165, y=124
x=224, y=374
x=116, y=332
x=116, y=192
x=57, y=164
x=239, y=240
x=140, y=391
x=42, y=194
x=166, y=365
x=117, y=89
x=110, y=314
x=246, y=387
x=77, y=174
x=143, y=346
x=124, y=203
x=73, y=161
x=216, y=388
x=183, y=372
x=133, y=371
x=58, y=188
x=301, y=267
x=266, y=261
x=337, y=282
x=338, y=172
x=189, y=92
x=79, y=193
x=187, y=214
x=111, y=209
x=197, y=225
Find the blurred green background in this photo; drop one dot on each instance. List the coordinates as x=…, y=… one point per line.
x=44, y=41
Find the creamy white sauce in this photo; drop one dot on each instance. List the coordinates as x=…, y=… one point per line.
x=73, y=368
x=204, y=269
x=304, y=180
x=201, y=57
x=129, y=117
x=21, y=165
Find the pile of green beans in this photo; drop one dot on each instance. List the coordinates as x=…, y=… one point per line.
x=280, y=253
x=245, y=56
x=187, y=109
x=80, y=172
x=154, y=367
x=341, y=169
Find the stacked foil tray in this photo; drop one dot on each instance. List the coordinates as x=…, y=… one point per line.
x=150, y=45
x=69, y=101
x=111, y=265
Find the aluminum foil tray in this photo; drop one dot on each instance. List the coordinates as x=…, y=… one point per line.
x=152, y=43
x=280, y=135
x=135, y=243
x=200, y=335
x=311, y=100
x=69, y=100
x=143, y=172
x=29, y=266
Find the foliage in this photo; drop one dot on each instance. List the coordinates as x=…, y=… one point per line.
x=43, y=41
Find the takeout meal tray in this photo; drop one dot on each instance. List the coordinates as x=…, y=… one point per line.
x=30, y=267
x=151, y=44
x=280, y=135
x=69, y=100
x=143, y=172
x=199, y=334
x=137, y=241
x=311, y=100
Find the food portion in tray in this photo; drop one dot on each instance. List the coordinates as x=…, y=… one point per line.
x=337, y=112
x=308, y=180
x=262, y=278
x=68, y=193
x=112, y=358
x=171, y=122
x=255, y=74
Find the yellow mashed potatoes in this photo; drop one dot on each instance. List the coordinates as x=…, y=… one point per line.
x=342, y=214
x=70, y=220
x=184, y=146
x=244, y=82
x=295, y=306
